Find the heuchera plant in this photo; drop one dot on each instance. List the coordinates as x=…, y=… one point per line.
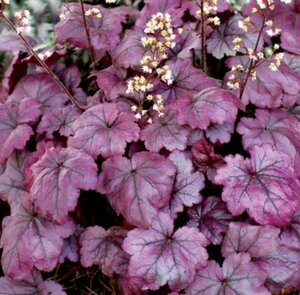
x=176, y=123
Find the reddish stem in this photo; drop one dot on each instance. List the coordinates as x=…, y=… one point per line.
x=88, y=36
x=41, y=62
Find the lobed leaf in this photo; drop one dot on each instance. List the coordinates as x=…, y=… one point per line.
x=160, y=256
x=137, y=188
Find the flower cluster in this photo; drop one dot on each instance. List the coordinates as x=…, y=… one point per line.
x=158, y=40
x=256, y=56
x=209, y=7
x=23, y=21
x=95, y=12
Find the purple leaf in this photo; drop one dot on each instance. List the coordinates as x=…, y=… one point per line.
x=160, y=256
x=263, y=185
x=139, y=187
x=71, y=78
x=42, y=88
x=187, y=184
x=130, y=51
x=210, y=105
x=104, y=248
x=41, y=148
x=220, y=133
x=11, y=181
x=15, y=130
x=165, y=132
x=220, y=43
x=237, y=276
x=104, y=130
x=212, y=219
x=112, y=82
x=186, y=42
x=37, y=242
x=188, y=81
x=271, y=88
x=71, y=247
x=61, y=120
x=58, y=176
x=272, y=127
x=104, y=31
x=33, y=284
x=263, y=244
x=12, y=42
x=290, y=236
x=293, y=61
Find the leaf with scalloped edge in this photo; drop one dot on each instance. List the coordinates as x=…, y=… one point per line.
x=265, y=248
x=137, y=188
x=159, y=255
x=60, y=120
x=104, y=130
x=104, y=248
x=274, y=127
x=15, y=129
x=37, y=242
x=58, y=176
x=210, y=105
x=237, y=276
x=264, y=185
x=165, y=132
x=41, y=87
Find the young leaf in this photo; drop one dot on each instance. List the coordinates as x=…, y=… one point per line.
x=15, y=130
x=212, y=219
x=37, y=242
x=139, y=187
x=104, y=130
x=210, y=105
x=58, y=176
x=237, y=276
x=205, y=159
x=263, y=185
x=165, y=132
x=104, y=248
x=160, y=256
